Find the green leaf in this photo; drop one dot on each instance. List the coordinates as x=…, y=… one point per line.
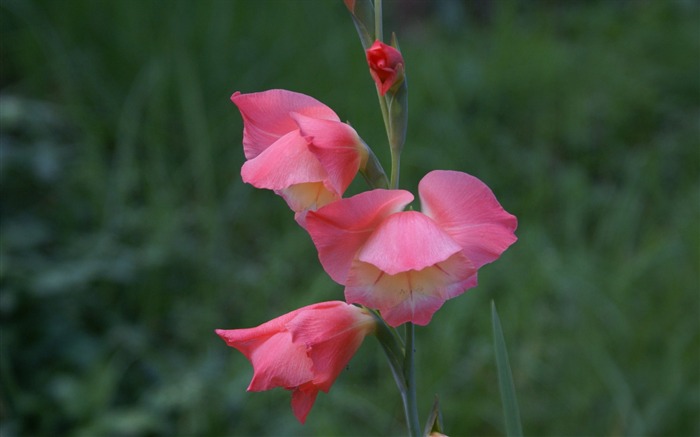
x=511, y=411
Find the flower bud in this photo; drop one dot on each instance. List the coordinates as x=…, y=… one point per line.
x=386, y=65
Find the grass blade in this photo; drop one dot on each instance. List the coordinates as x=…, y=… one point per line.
x=511, y=412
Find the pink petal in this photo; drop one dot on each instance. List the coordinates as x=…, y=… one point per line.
x=336, y=145
x=411, y=296
x=333, y=331
x=324, y=321
x=340, y=228
x=406, y=241
x=303, y=399
x=286, y=162
x=290, y=169
x=371, y=287
x=418, y=310
x=266, y=116
x=307, y=196
x=277, y=362
x=467, y=210
x=247, y=339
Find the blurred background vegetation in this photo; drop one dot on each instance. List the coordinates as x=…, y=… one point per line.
x=128, y=236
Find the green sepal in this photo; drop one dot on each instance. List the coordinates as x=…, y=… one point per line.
x=393, y=346
x=373, y=172
x=363, y=18
x=434, y=423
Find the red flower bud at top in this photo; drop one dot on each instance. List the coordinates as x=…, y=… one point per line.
x=386, y=66
x=350, y=4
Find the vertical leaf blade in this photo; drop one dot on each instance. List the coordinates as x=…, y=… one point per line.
x=511, y=412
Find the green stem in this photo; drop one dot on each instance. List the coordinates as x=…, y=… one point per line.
x=378, y=32
x=410, y=402
x=402, y=366
x=395, y=164
x=385, y=113
x=402, y=370
x=379, y=36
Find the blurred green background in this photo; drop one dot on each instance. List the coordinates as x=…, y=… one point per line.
x=128, y=236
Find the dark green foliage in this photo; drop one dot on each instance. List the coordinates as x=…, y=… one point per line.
x=128, y=236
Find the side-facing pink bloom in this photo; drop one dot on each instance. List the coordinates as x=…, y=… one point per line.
x=386, y=66
x=303, y=351
x=408, y=263
x=298, y=147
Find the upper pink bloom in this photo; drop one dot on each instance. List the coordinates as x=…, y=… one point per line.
x=298, y=147
x=407, y=263
x=303, y=351
x=386, y=65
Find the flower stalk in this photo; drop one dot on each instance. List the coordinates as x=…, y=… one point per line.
x=392, y=97
x=393, y=113
x=410, y=400
x=402, y=363
x=378, y=31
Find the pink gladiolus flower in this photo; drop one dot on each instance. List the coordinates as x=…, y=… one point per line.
x=297, y=147
x=303, y=351
x=386, y=66
x=407, y=263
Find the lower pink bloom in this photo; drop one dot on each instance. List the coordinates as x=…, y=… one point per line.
x=303, y=351
x=408, y=263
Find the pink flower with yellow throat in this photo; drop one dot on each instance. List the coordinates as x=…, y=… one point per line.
x=407, y=264
x=297, y=147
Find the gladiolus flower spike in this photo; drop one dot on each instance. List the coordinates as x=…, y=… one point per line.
x=407, y=264
x=303, y=351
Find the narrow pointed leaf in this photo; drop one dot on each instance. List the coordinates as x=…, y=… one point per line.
x=511, y=411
